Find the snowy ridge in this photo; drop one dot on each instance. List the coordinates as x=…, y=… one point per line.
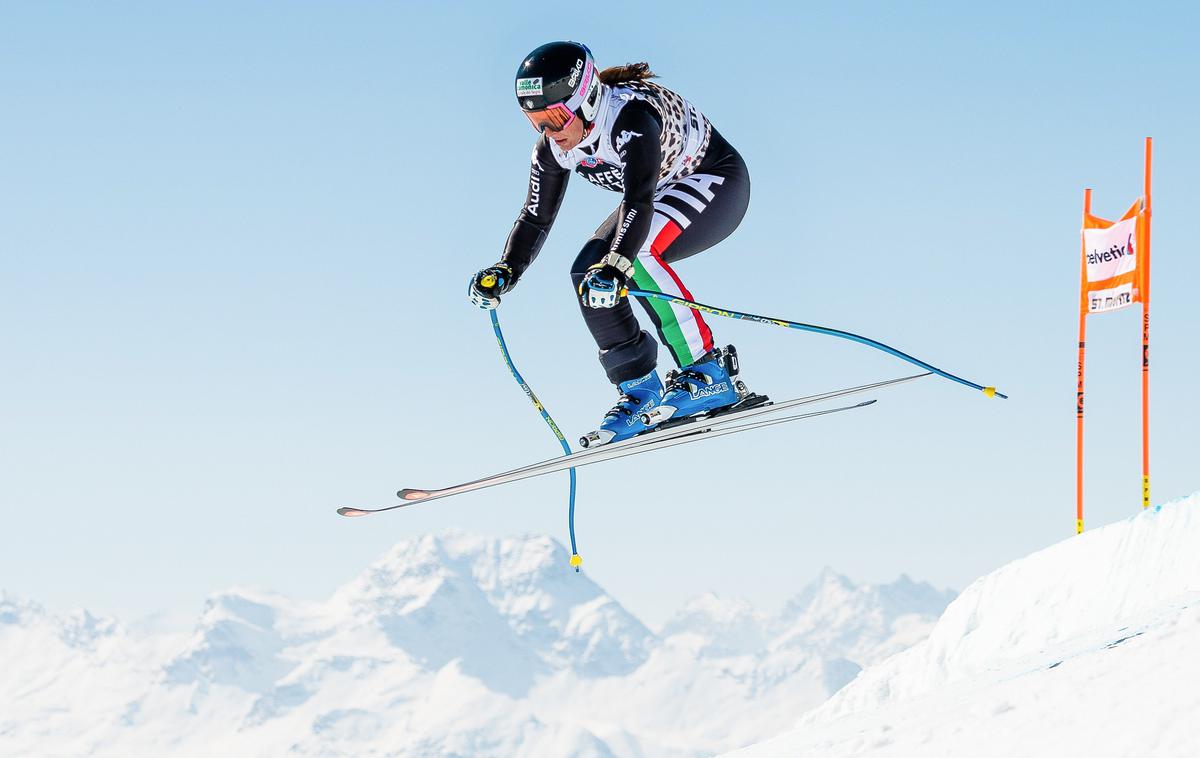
x=453, y=644
x=1089, y=647
x=861, y=622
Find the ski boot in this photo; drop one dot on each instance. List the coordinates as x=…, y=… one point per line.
x=638, y=396
x=708, y=387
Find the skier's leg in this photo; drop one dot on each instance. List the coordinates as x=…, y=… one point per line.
x=690, y=216
x=627, y=353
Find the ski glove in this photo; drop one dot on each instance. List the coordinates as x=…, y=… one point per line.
x=489, y=284
x=604, y=282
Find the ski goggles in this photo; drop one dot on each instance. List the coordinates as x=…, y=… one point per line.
x=555, y=118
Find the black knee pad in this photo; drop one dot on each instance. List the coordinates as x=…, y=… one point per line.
x=631, y=359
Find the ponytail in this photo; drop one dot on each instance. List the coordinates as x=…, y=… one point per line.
x=630, y=72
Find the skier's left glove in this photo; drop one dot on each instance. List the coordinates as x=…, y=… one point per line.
x=604, y=282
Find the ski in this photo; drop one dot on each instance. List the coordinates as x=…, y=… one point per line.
x=704, y=431
x=684, y=426
x=675, y=429
x=688, y=432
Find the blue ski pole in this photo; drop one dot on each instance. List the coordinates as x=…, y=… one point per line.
x=989, y=391
x=576, y=560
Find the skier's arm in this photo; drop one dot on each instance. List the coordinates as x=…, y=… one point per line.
x=547, y=186
x=636, y=138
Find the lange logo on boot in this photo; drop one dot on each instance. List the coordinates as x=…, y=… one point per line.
x=639, y=382
x=709, y=391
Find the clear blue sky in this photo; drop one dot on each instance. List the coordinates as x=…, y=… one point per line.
x=235, y=237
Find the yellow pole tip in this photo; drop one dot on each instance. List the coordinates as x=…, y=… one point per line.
x=576, y=560
x=488, y=281
x=989, y=391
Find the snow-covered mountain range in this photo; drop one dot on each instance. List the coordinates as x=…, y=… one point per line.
x=453, y=644
x=1090, y=647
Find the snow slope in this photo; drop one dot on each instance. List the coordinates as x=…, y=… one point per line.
x=446, y=645
x=1090, y=647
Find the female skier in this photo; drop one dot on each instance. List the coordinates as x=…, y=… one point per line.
x=684, y=189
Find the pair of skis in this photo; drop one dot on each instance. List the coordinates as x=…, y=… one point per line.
x=702, y=428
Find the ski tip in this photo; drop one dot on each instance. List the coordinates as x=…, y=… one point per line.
x=411, y=494
x=865, y=403
x=352, y=512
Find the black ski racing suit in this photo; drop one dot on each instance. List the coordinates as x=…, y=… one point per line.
x=684, y=189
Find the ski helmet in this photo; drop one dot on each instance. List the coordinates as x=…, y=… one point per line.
x=557, y=82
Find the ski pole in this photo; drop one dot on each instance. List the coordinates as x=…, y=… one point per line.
x=576, y=560
x=989, y=391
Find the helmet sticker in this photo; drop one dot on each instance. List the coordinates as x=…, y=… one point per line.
x=529, y=86
x=575, y=73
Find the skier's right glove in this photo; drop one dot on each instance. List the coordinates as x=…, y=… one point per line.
x=489, y=284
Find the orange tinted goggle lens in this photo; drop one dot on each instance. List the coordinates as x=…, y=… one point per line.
x=553, y=118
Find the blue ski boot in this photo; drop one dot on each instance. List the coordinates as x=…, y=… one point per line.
x=707, y=386
x=638, y=396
